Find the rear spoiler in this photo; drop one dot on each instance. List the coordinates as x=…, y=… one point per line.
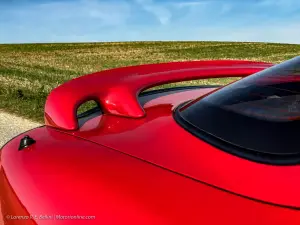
x=116, y=90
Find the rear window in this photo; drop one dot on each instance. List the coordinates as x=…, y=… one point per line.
x=257, y=117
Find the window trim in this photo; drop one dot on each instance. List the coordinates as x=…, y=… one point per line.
x=251, y=155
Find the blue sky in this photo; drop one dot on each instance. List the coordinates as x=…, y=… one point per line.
x=24, y=21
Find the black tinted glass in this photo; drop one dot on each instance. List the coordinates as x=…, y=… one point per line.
x=258, y=114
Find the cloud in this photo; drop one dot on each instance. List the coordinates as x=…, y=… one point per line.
x=120, y=20
x=161, y=12
x=188, y=4
x=103, y=13
x=49, y=21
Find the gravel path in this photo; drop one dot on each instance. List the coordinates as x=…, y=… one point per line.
x=11, y=125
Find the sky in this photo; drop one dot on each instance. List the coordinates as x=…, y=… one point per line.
x=34, y=21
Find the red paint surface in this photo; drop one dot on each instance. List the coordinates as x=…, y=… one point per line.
x=142, y=171
x=116, y=90
x=170, y=146
x=64, y=175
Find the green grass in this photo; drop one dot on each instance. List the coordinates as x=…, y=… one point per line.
x=28, y=72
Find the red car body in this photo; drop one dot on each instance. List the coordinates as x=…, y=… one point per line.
x=134, y=164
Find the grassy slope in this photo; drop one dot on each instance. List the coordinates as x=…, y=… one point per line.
x=28, y=72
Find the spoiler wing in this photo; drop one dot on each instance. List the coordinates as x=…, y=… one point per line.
x=116, y=90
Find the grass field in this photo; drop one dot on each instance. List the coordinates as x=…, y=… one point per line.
x=29, y=72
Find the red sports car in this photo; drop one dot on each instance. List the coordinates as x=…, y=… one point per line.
x=188, y=155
